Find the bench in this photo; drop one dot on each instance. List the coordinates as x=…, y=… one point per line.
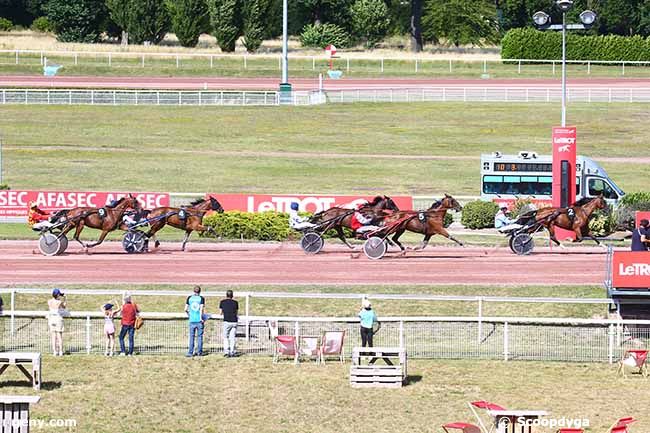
x=20, y=358
x=390, y=375
x=14, y=412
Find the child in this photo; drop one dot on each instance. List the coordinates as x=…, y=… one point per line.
x=109, y=328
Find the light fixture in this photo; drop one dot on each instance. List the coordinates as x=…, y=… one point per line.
x=541, y=19
x=588, y=18
x=564, y=5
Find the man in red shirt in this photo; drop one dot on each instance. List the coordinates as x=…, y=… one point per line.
x=129, y=312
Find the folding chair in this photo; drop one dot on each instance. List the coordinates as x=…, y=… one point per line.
x=309, y=347
x=487, y=406
x=462, y=426
x=332, y=345
x=620, y=426
x=285, y=345
x=634, y=358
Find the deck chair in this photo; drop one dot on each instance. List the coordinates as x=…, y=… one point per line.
x=332, y=345
x=310, y=348
x=487, y=406
x=620, y=426
x=462, y=426
x=285, y=345
x=634, y=358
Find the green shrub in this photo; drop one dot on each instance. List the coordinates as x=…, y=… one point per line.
x=5, y=25
x=601, y=224
x=4, y=186
x=370, y=20
x=42, y=24
x=321, y=35
x=479, y=214
x=634, y=198
x=264, y=226
x=449, y=218
x=528, y=43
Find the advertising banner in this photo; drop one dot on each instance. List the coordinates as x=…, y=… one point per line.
x=630, y=270
x=15, y=203
x=641, y=215
x=308, y=203
x=564, y=159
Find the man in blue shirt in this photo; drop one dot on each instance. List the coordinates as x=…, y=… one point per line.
x=194, y=307
x=640, y=236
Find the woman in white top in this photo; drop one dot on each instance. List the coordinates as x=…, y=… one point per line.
x=56, y=307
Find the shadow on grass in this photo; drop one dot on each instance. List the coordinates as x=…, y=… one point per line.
x=46, y=386
x=410, y=380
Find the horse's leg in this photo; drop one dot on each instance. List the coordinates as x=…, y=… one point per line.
x=341, y=235
x=551, y=234
x=443, y=232
x=100, y=240
x=396, y=237
x=424, y=243
x=186, y=238
x=153, y=229
x=78, y=228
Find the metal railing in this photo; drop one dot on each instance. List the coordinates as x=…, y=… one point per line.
x=350, y=63
x=572, y=340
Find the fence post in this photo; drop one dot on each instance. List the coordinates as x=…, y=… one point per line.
x=401, y=333
x=464, y=94
x=92, y=97
x=16, y=56
x=13, y=309
x=177, y=61
x=554, y=67
x=548, y=95
x=589, y=68
x=416, y=66
x=70, y=97
x=449, y=65
x=114, y=98
x=631, y=96
x=484, y=66
x=506, y=347
x=527, y=94
x=348, y=64
x=610, y=95
x=382, y=65
x=109, y=60
x=41, y=57
x=158, y=97
x=444, y=91
x=88, y=341
x=623, y=71
x=313, y=63
x=76, y=59
x=247, y=320
x=245, y=62
x=610, y=345
x=143, y=60
x=296, y=330
x=519, y=67
x=211, y=61
x=480, y=319
x=200, y=99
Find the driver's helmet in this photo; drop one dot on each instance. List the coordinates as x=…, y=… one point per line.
x=503, y=206
x=294, y=206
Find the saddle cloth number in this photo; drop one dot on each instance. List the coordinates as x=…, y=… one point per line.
x=571, y=213
x=422, y=216
x=101, y=212
x=182, y=214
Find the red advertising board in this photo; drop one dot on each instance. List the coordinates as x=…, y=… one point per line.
x=564, y=149
x=309, y=203
x=15, y=203
x=641, y=216
x=630, y=270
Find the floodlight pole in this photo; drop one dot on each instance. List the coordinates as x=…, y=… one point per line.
x=285, y=42
x=563, y=69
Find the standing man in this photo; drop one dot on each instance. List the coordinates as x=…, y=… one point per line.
x=641, y=236
x=194, y=308
x=229, y=308
x=129, y=311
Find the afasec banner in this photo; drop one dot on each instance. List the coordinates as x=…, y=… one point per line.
x=631, y=269
x=15, y=203
x=308, y=203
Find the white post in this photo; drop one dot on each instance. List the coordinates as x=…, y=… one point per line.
x=320, y=82
x=88, y=341
x=13, y=309
x=313, y=63
x=610, y=95
x=623, y=65
x=382, y=65
x=177, y=61
x=401, y=334
x=505, y=342
x=519, y=67
x=480, y=319
x=92, y=97
x=211, y=62
x=553, y=67
x=589, y=68
x=114, y=98
x=109, y=60
x=610, y=348
x=247, y=314
x=348, y=62
x=76, y=59
x=449, y=65
x=484, y=66
x=416, y=66
x=245, y=62
x=16, y=56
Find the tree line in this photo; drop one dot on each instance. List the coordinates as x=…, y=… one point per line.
x=317, y=22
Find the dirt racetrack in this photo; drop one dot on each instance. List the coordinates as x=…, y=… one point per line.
x=235, y=263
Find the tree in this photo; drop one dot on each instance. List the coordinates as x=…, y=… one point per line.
x=415, y=25
x=226, y=21
x=460, y=22
x=255, y=14
x=189, y=19
x=370, y=20
x=619, y=17
x=76, y=20
x=148, y=20
x=328, y=11
x=119, y=11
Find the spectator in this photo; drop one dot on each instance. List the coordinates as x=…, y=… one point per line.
x=194, y=307
x=56, y=307
x=1, y=305
x=368, y=318
x=640, y=236
x=129, y=312
x=229, y=308
x=109, y=328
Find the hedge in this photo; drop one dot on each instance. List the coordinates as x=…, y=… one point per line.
x=479, y=214
x=528, y=43
x=626, y=212
x=5, y=25
x=4, y=186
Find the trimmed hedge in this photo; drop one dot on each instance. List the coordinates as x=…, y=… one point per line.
x=4, y=186
x=479, y=214
x=626, y=212
x=42, y=25
x=321, y=35
x=263, y=226
x=528, y=43
x=5, y=25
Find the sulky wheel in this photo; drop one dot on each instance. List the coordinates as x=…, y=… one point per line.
x=49, y=244
x=134, y=242
x=375, y=247
x=63, y=244
x=312, y=243
x=522, y=244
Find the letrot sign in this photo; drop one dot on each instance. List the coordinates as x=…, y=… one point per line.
x=309, y=203
x=630, y=270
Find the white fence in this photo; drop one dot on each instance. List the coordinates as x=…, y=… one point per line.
x=272, y=98
x=347, y=62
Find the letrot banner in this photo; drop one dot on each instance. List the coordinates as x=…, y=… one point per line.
x=309, y=203
x=641, y=215
x=630, y=270
x=15, y=203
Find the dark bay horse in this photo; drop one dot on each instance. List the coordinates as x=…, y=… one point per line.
x=106, y=219
x=574, y=218
x=188, y=218
x=336, y=218
x=429, y=222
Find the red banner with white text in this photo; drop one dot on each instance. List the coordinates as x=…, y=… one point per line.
x=641, y=215
x=630, y=270
x=15, y=203
x=307, y=203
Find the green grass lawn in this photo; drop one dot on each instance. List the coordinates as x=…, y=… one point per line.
x=287, y=149
x=214, y=394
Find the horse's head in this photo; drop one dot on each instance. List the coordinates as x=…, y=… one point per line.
x=389, y=204
x=382, y=202
x=215, y=205
x=448, y=202
x=133, y=203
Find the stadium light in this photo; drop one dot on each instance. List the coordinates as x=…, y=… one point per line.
x=541, y=19
x=588, y=18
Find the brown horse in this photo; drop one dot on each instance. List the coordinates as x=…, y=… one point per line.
x=106, y=219
x=429, y=222
x=574, y=218
x=336, y=218
x=188, y=218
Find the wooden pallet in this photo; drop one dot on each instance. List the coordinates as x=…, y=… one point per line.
x=378, y=374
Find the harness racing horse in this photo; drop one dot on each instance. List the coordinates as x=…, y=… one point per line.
x=574, y=218
x=429, y=222
x=188, y=218
x=336, y=218
x=106, y=219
